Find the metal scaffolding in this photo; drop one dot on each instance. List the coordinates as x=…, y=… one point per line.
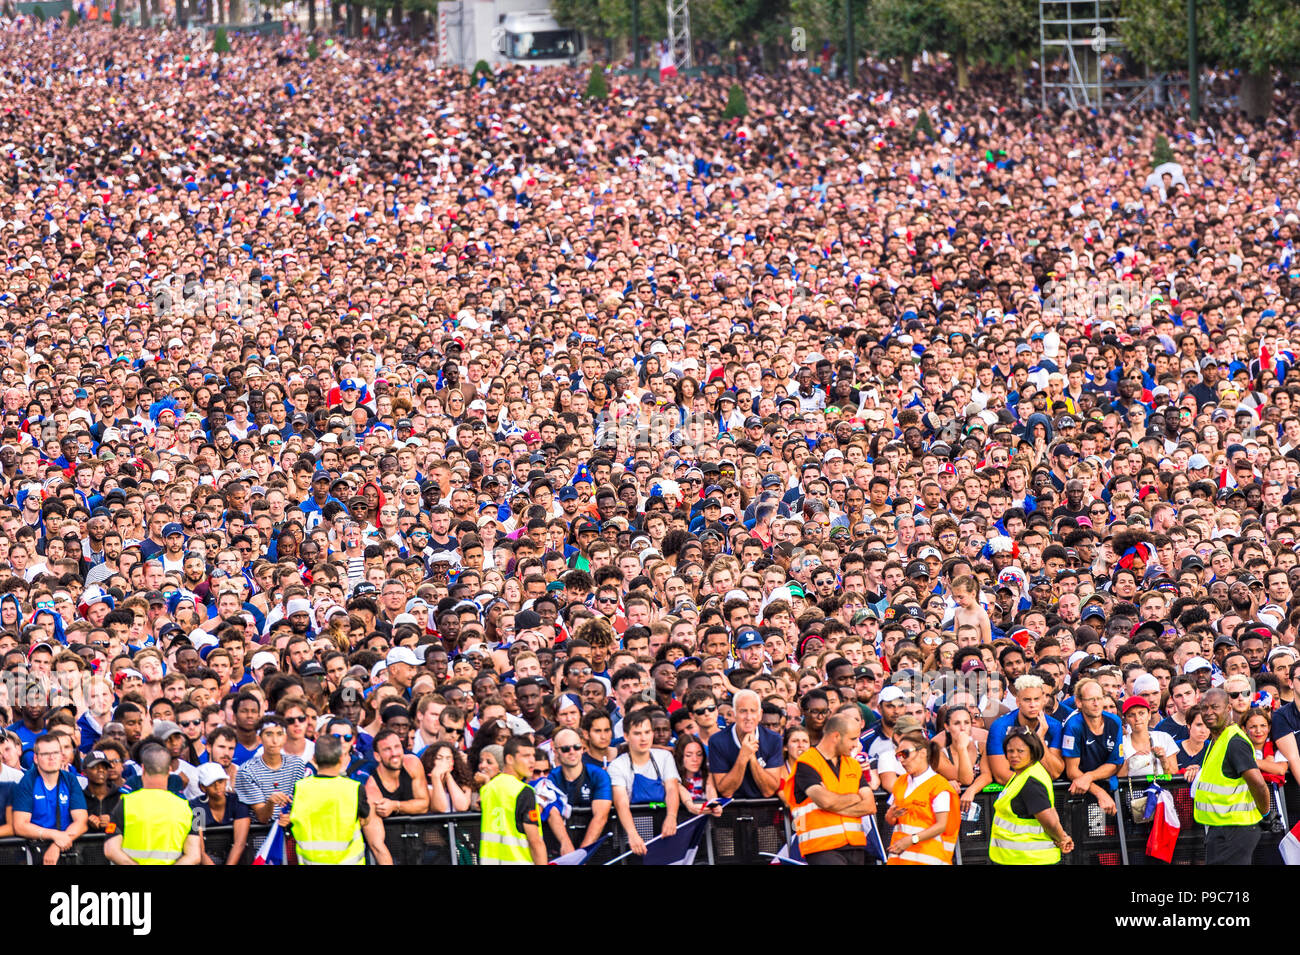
x=1082, y=58
x=679, y=33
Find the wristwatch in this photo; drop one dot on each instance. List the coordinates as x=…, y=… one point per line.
x=915, y=840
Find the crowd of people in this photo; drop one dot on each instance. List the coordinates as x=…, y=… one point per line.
x=490, y=446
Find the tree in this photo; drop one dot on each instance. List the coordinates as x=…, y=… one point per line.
x=613, y=18
x=901, y=29
x=313, y=51
x=39, y=13
x=1257, y=37
x=1161, y=153
x=1001, y=32
x=117, y=18
x=597, y=88
x=221, y=43
x=737, y=104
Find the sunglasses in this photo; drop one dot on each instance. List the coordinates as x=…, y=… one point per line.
x=1238, y=694
x=346, y=737
x=905, y=753
x=702, y=710
x=568, y=749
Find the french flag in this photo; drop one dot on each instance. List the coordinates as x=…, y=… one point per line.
x=789, y=854
x=271, y=851
x=579, y=856
x=1290, y=846
x=1165, y=824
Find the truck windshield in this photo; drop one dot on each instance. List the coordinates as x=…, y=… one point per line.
x=546, y=45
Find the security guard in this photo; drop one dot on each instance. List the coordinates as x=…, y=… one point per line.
x=331, y=819
x=830, y=799
x=152, y=826
x=1026, y=829
x=510, y=831
x=1229, y=795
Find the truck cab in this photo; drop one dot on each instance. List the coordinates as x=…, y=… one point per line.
x=536, y=39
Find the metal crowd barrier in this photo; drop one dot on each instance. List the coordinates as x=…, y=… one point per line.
x=751, y=831
x=746, y=828
x=1103, y=839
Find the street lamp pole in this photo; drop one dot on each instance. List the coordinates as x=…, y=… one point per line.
x=849, y=53
x=1193, y=68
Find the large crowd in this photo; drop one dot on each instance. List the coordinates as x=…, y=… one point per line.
x=345, y=399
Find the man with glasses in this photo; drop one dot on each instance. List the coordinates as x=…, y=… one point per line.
x=585, y=786
x=49, y=806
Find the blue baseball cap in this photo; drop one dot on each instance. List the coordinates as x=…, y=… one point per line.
x=748, y=637
x=173, y=528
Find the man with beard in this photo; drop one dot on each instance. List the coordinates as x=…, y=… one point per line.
x=398, y=785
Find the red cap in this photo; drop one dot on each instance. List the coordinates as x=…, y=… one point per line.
x=1135, y=701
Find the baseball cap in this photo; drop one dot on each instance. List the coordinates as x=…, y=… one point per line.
x=401, y=655
x=210, y=773
x=748, y=637
x=173, y=528
x=1135, y=701
x=891, y=694
x=164, y=729
x=96, y=758
x=1197, y=663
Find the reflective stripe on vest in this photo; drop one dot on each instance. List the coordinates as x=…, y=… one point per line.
x=818, y=830
x=919, y=815
x=501, y=841
x=156, y=824
x=1017, y=841
x=1218, y=800
x=324, y=821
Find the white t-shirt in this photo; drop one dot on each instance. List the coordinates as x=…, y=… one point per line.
x=620, y=770
x=942, y=801
x=1147, y=764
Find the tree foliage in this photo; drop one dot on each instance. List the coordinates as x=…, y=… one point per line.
x=1155, y=31
x=737, y=103
x=1256, y=36
x=903, y=28
x=221, y=42
x=1161, y=153
x=994, y=31
x=597, y=88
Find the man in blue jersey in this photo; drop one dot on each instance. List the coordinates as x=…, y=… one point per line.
x=49, y=805
x=1090, y=742
x=1031, y=695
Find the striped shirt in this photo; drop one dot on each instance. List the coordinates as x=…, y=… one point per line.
x=256, y=781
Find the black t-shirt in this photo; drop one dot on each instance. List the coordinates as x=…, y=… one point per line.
x=1239, y=758
x=526, y=808
x=1032, y=799
x=1286, y=722
x=805, y=777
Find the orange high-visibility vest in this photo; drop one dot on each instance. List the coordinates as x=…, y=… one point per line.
x=919, y=815
x=822, y=831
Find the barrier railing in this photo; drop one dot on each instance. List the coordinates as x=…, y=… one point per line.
x=751, y=831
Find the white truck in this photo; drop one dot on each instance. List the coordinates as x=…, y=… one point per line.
x=505, y=32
